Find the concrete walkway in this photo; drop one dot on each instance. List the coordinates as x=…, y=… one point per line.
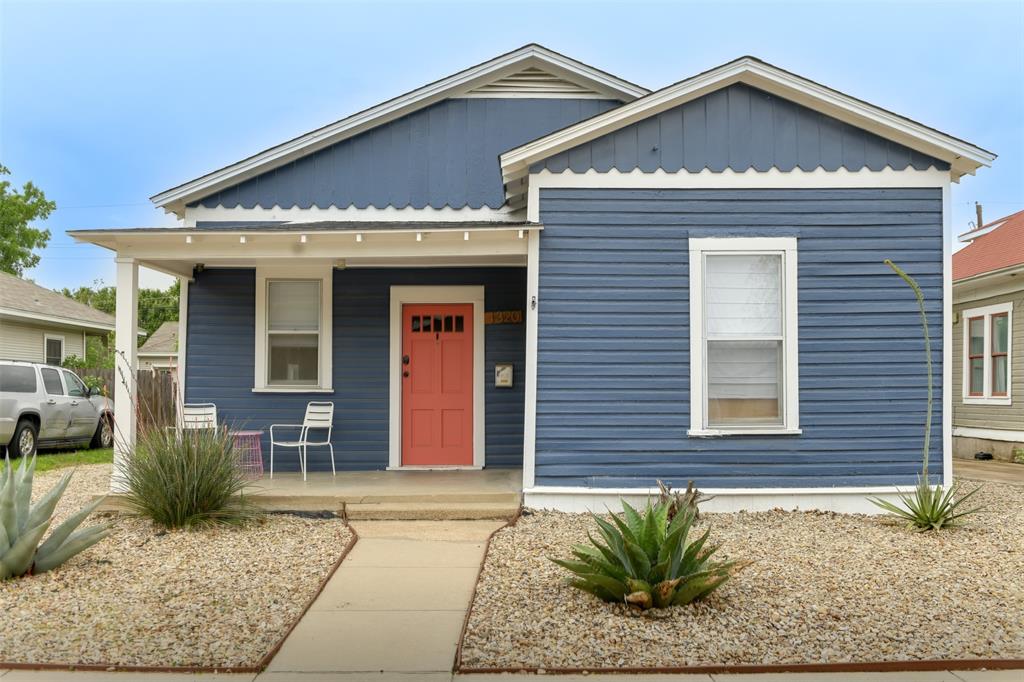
x=990, y=470
x=396, y=605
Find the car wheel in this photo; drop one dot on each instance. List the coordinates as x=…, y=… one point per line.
x=24, y=442
x=104, y=436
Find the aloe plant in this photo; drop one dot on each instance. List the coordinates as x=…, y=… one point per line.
x=648, y=561
x=22, y=525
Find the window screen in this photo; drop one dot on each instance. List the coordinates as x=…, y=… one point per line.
x=293, y=332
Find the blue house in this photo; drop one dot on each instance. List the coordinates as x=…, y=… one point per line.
x=535, y=264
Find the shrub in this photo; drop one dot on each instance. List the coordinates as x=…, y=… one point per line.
x=22, y=526
x=647, y=561
x=183, y=479
x=1018, y=455
x=926, y=508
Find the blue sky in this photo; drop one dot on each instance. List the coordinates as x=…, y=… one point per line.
x=105, y=104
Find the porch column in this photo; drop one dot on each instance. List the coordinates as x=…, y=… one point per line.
x=126, y=365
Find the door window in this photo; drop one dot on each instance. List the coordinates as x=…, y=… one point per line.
x=51, y=380
x=75, y=386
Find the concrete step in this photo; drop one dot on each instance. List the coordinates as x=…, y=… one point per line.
x=429, y=511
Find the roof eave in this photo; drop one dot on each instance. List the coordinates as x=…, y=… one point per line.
x=174, y=200
x=964, y=157
x=56, y=319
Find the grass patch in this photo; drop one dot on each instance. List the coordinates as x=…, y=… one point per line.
x=59, y=460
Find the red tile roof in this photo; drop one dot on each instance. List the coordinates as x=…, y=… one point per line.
x=1001, y=248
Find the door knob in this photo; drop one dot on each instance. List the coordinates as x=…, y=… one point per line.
x=405, y=373
x=405, y=359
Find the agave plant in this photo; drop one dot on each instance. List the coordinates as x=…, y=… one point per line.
x=648, y=561
x=677, y=501
x=22, y=526
x=928, y=508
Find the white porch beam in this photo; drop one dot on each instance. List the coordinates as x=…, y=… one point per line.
x=126, y=329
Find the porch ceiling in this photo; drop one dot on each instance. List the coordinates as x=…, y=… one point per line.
x=178, y=250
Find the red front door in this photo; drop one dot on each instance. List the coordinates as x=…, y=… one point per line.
x=437, y=384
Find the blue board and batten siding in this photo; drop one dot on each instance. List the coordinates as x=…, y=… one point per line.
x=613, y=359
x=739, y=128
x=443, y=155
x=221, y=355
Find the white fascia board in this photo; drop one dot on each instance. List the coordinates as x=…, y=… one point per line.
x=963, y=156
x=174, y=199
x=55, y=319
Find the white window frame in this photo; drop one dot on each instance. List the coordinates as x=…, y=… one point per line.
x=987, y=312
x=324, y=273
x=786, y=247
x=63, y=347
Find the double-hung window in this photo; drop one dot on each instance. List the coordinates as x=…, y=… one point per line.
x=986, y=353
x=743, y=336
x=293, y=339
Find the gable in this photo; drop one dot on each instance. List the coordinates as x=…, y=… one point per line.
x=739, y=128
x=530, y=71
x=443, y=155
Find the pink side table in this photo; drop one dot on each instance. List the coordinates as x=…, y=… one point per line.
x=249, y=449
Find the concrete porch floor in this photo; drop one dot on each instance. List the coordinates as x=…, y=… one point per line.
x=440, y=494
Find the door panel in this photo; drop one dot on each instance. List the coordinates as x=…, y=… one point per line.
x=84, y=415
x=56, y=410
x=437, y=384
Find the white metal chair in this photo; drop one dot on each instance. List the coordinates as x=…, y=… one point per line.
x=199, y=416
x=319, y=417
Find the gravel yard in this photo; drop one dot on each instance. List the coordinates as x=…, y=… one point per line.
x=823, y=588
x=220, y=597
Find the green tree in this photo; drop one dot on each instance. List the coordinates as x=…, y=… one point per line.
x=17, y=238
x=156, y=306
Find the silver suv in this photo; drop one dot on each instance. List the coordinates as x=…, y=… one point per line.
x=46, y=406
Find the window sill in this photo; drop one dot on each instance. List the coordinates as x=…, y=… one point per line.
x=987, y=401
x=292, y=389
x=715, y=433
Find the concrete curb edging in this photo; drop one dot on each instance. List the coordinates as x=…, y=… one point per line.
x=258, y=668
x=930, y=665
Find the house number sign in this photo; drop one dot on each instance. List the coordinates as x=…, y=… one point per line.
x=504, y=317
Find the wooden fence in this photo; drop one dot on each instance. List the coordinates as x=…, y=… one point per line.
x=155, y=399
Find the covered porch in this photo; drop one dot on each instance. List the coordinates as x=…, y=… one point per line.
x=354, y=354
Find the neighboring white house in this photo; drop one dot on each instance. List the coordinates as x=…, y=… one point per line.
x=40, y=325
x=160, y=351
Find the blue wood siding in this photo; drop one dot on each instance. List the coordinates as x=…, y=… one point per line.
x=443, y=155
x=738, y=127
x=613, y=396
x=221, y=355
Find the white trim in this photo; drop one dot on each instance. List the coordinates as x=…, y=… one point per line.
x=947, y=335
x=39, y=317
x=324, y=272
x=989, y=434
x=182, y=339
x=530, y=387
x=963, y=156
x=599, y=500
x=786, y=249
x=965, y=292
x=818, y=178
x=349, y=213
x=401, y=295
x=63, y=346
x=986, y=313
x=174, y=199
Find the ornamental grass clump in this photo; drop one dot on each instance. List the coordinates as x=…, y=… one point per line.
x=186, y=478
x=22, y=525
x=647, y=561
x=927, y=508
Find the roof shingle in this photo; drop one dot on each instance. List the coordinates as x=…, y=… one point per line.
x=1001, y=248
x=20, y=295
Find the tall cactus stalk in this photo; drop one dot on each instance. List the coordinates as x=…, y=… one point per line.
x=928, y=359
